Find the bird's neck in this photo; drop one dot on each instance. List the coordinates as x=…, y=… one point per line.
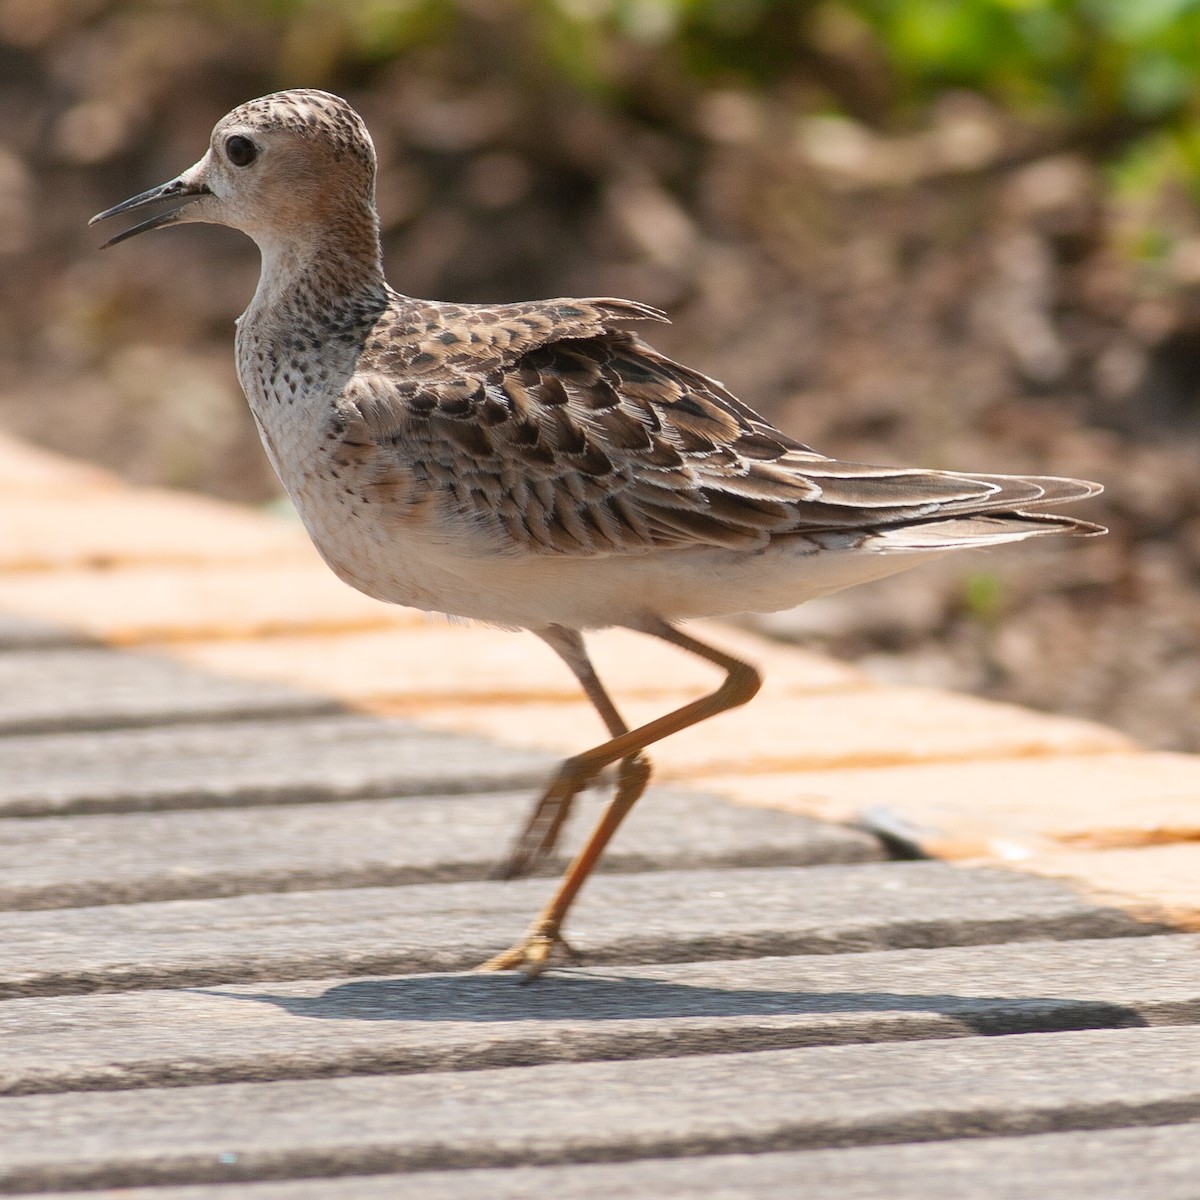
x=314, y=276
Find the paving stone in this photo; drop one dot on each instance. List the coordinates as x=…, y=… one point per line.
x=154, y=603
x=1156, y=1162
x=29, y=469
x=55, y=862
x=358, y=1067
x=1122, y=826
x=99, y=688
x=415, y=1023
x=24, y=633
x=865, y=727
x=1155, y=882
x=122, y=525
x=249, y=762
x=438, y=661
x=1006, y=810
x=670, y=916
x=757, y=1101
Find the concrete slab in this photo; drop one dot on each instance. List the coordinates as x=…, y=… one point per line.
x=114, y=526
x=230, y=763
x=56, y=862
x=791, y=733
x=56, y=690
x=669, y=916
x=153, y=603
x=436, y=662
x=326, y=1027
x=1100, y=1164
x=759, y=1101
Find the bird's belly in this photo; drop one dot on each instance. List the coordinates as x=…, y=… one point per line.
x=594, y=592
x=588, y=592
x=367, y=543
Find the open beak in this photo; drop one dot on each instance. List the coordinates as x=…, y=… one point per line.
x=178, y=189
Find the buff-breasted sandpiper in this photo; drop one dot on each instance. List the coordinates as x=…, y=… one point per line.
x=536, y=465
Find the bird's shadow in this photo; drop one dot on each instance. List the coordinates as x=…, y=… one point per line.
x=591, y=996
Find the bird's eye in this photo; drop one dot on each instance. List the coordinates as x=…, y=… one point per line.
x=240, y=151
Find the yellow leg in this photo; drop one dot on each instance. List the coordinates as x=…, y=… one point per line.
x=741, y=682
x=541, y=831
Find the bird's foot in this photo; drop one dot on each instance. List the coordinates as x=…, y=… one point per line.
x=533, y=953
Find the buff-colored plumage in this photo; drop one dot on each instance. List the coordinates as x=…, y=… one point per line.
x=538, y=465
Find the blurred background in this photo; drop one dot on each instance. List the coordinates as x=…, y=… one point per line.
x=941, y=232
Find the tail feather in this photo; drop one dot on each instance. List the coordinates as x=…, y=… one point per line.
x=954, y=533
x=1055, y=489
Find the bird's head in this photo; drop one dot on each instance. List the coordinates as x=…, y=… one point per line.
x=276, y=168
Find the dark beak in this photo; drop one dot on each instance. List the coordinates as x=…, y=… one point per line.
x=177, y=189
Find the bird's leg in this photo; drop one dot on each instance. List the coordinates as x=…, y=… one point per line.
x=741, y=682
x=541, y=831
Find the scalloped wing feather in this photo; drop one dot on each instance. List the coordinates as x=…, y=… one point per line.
x=540, y=428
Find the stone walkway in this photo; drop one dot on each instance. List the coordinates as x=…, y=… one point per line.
x=247, y=819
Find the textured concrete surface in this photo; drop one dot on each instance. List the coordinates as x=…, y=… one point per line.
x=250, y=762
x=657, y=917
x=1101, y=1164
x=756, y=1101
x=239, y=915
x=55, y=862
x=416, y=1023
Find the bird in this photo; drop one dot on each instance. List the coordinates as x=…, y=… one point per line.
x=538, y=466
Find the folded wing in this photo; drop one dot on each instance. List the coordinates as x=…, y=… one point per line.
x=543, y=428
